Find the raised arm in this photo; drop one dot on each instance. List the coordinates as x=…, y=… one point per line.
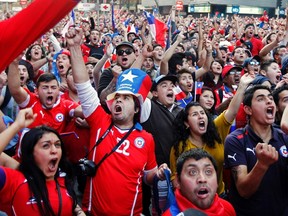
x=17, y=92
x=164, y=68
x=235, y=103
x=266, y=49
x=74, y=38
x=208, y=60
x=24, y=118
x=98, y=67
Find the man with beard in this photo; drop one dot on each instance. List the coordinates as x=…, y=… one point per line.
x=197, y=185
x=115, y=189
x=50, y=108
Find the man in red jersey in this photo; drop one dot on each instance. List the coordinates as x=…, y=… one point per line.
x=50, y=108
x=116, y=189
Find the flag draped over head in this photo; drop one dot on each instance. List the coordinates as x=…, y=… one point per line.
x=131, y=81
x=158, y=29
x=198, y=88
x=70, y=22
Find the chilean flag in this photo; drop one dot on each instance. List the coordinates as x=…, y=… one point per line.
x=70, y=22
x=131, y=81
x=198, y=88
x=158, y=29
x=179, y=94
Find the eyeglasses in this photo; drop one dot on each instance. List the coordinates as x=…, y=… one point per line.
x=234, y=72
x=121, y=52
x=254, y=63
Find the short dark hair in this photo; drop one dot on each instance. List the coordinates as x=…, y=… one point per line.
x=264, y=65
x=195, y=153
x=277, y=91
x=182, y=71
x=176, y=59
x=46, y=77
x=249, y=93
x=237, y=47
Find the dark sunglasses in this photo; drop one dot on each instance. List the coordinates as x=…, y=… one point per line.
x=121, y=52
x=254, y=63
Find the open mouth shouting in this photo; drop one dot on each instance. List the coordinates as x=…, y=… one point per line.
x=170, y=96
x=50, y=101
x=53, y=165
x=203, y=192
x=270, y=112
x=201, y=125
x=117, y=109
x=124, y=61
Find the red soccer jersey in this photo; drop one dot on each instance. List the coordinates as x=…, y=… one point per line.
x=117, y=186
x=17, y=199
x=55, y=117
x=76, y=144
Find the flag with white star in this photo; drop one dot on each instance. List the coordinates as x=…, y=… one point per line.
x=132, y=81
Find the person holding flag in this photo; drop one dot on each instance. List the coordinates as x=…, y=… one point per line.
x=184, y=88
x=157, y=29
x=195, y=128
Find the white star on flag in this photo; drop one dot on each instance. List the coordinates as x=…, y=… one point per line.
x=129, y=76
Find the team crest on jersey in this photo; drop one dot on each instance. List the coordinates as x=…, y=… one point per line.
x=283, y=151
x=31, y=201
x=139, y=142
x=60, y=117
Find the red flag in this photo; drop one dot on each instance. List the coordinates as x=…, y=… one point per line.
x=179, y=94
x=158, y=29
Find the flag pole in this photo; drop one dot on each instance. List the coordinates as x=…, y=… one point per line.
x=195, y=91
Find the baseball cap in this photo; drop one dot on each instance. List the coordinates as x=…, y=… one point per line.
x=125, y=43
x=162, y=78
x=228, y=68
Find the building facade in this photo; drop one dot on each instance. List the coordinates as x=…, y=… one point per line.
x=243, y=7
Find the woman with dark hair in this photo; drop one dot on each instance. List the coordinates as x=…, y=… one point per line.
x=207, y=100
x=43, y=183
x=195, y=128
x=213, y=78
x=36, y=56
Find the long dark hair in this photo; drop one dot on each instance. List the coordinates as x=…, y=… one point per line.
x=182, y=132
x=35, y=177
